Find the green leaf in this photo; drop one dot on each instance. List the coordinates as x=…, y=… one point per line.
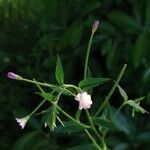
x=107, y=46
x=123, y=93
x=24, y=141
x=139, y=99
x=146, y=76
x=137, y=107
x=144, y=136
x=51, y=120
x=123, y=20
x=72, y=35
x=121, y=146
x=107, y=28
x=147, y=13
x=140, y=48
x=33, y=141
x=47, y=96
x=104, y=123
x=89, y=7
x=83, y=147
x=112, y=55
x=92, y=82
x=75, y=34
x=122, y=122
x=59, y=74
x=69, y=127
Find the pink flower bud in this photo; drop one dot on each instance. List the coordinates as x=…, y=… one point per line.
x=95, y=25
x=84, y=100
x=13, y=76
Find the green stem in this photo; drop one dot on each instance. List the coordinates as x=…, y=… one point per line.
x=62, y=111
x=104, y=144
x=48, y=85
x=41, y=103
x=78, y=113
x=117, y=111
x=71, y=86
x=40, y=83
x=92, y=125
x=92, y=139
x=104, y=135
x=112, y=90
x=87, y=55
x=71, y=118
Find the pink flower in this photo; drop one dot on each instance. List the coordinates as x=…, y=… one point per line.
x=13, y=76
x=22, y=121
x=95, y=25
x=84, y=100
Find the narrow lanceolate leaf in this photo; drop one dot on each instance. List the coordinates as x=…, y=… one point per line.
x=92, y=82
x=51, y=120
x=123, y=93
x=136, y=106
x=139, y=99
x=59, y=74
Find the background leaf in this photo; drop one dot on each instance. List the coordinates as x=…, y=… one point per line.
x=22, y=143
x=83, y=147
x=140, y=48
x=69, y=127
x=123, y=20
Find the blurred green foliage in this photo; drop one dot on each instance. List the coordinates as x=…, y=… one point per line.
x=33, y=31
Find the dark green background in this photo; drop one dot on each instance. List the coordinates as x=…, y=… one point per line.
x=32, y=32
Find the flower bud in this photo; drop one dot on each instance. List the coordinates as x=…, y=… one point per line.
x=13, y=76
x=95, y=26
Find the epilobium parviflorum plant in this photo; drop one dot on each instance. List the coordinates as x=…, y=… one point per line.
x=95, y=125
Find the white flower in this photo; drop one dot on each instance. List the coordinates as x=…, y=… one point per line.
x=84, y=100
x=22, y=121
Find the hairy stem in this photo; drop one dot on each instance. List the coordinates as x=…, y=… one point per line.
x=87, y=55
x=92, y=139
x=62, y=111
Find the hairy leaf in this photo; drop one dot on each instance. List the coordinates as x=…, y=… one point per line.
x=123, y=93
x=59, y=74
x=92, y=82
x=51, y=120
x=123, y=20
x=136, y=106
x=104, y=123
